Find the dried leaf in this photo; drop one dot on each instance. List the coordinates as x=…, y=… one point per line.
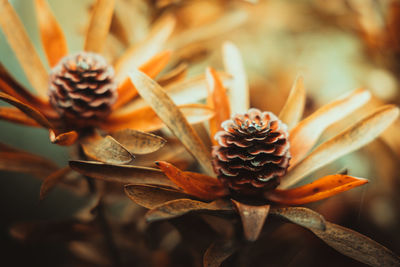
x=99, y=25
x=304, y=136
x=218, y=99
x=196, y=184
x=173, y=76
x=52, y=180
x=63, y=139
x=53, y=39
x=19, y=161
x=15, y=115
x=322, y=188
x=150, y=196
x=173, y=118
x=292, y=111
x=345, y=142
x=179, y=207
x=28, y=110
x=218, y=252
x=239, y=90
x=127, y=91
x=24, y=50
x=124, y=174
x=301, y=216
x=253, y=218
x=356, y=246
x=145, y=119
x=137, y=142
x=107, y=150
x=142, y=52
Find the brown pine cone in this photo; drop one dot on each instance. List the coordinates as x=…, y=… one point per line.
x=82, y=88
x=253, y=152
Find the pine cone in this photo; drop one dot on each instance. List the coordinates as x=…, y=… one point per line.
x=82, y=89
x=253, y=152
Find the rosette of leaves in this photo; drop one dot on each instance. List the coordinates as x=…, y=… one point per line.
x=83, y=94
x=204, y=193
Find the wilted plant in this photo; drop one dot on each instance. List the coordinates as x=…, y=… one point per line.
x=257, y=156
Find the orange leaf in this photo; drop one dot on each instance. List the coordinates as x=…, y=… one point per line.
x=218, y=99
x=12, y=114
x=196, y=184
x=53, y=38
x=63, y=139
x=322, y=188
x=127, y=91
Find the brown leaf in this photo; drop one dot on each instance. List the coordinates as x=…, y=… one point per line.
x=138, y=142
x=107, y=150
x=151, y=196
x=239, y=89
x=28, y=110
x=124, y=174
x=253, y=218
x=15, y=115
x=179, y=207
x=218, y=252
x=305, y=135
x=322, y=188
x=292, y=111
x=345, y=142
x=52, y=180
x=19, y=161
x=63, y=139
x=53, y=39
x=23, y=48
x=195, y=184
x=301, y=216
x=217, y=99
x=357, y=246
x=172, y=117
x=99, y=26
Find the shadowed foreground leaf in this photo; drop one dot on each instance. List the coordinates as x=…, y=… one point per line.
x=152, y=196
x=253, y=218
x=218, y=252
x=107, y=150
x=322, y=188
x=125, y=174
x=179, y=207
x=138, y=142
x=301, y=216
x=52, y=180
x=356, y=246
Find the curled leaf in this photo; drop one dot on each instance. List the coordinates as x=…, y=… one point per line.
x=107, y=150
x=179, y=207
x=292, y=111
x=356, y=246
x=196, y=184
x=125, y=174
x=151, y=196
x=53, y=39
x=345, y=142
x=218, y=99
x=301, y=216
x=52, y=180
x=322, y=188
x=173, y=118
x=239, y=89
x=138, y=142
x=253, y=218
x=23, y=48
x=305, y=135
x=63, y=139
x=28, y=110
x=99, y=25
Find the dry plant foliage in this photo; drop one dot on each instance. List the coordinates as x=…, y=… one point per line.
x=223, y=175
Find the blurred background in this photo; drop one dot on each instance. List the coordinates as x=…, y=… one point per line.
x=337, y=46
